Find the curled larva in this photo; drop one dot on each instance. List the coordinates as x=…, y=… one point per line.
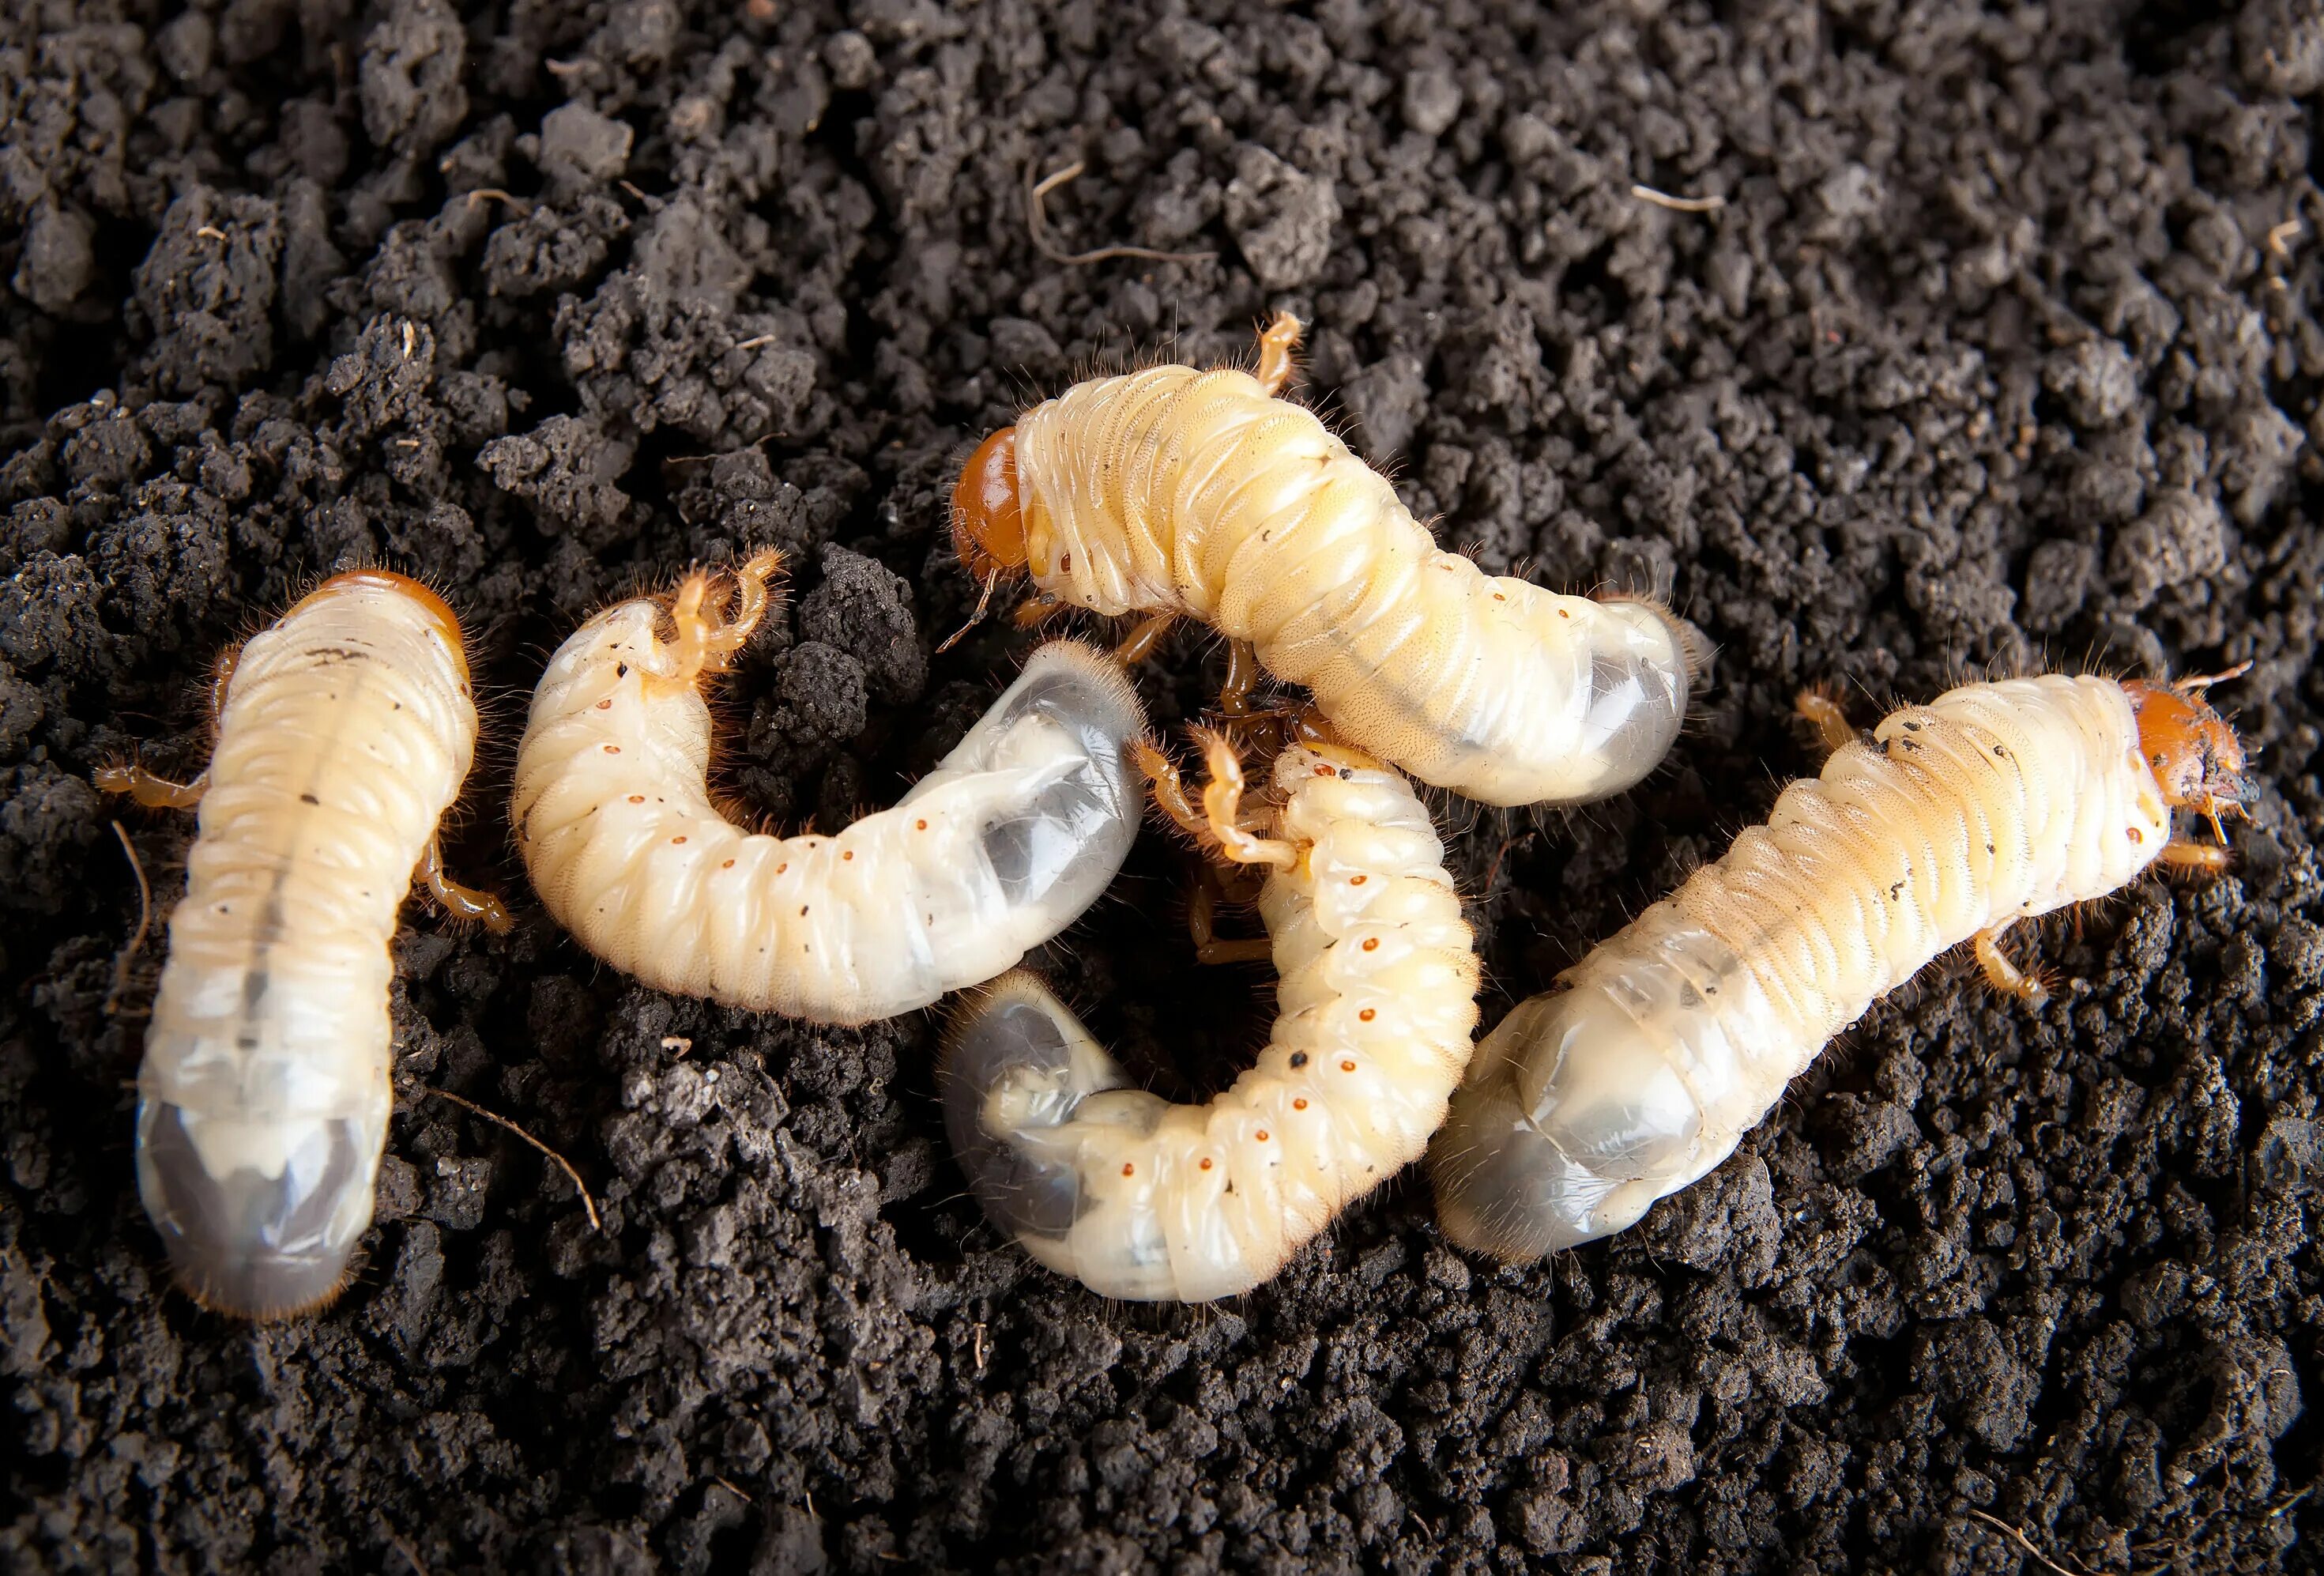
x=1015, y=833
x=1177, y=492
x=342, y=735
x=1995, y=803
x=1140, y=1198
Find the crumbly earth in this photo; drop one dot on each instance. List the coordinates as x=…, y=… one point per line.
x=1992, y=343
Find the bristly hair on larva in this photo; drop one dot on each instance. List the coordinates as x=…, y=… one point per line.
x=1142, y=1199
x=1017, y=830
x=342, y=735
x=1995, y=803
x=1176, y=493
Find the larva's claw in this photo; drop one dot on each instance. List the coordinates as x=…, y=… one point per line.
x=1826, y=716
x=2027, y=985
x=1277, y=343
x=2204, y=858
x=462, y=902
x=1034, y=611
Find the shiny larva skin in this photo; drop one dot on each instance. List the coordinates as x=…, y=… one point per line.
x=1197, y=493
x=264, y=1096
x=1141, y=1199
x=1018, y=830
x=1660, y=1049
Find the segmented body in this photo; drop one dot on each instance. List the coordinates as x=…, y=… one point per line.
x=263, y=1097
x=1198, y=492
x=1015, y=832
x=1662, y=1047
x=1140, y=1198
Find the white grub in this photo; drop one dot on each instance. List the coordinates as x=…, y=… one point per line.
x=344, y=733
x=1017, y=830
x=1140, y=1198
x=1995, y=803
x=1173, y=492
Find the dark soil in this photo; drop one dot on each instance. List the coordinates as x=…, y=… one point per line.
x=2002, y=352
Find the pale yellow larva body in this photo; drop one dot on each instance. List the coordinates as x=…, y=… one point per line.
x=1017, y=830
x=1140, y=1198
x=1658, y=1051
x=1200, y=492
x=344, y=735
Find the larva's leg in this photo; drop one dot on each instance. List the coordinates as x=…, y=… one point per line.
x=1276, y=345
x=1034, y=610
x=1169, y=790
x=2207, y=858
x=751, y=600
x=1826, y=716
x=155, y=793
x=1242, y=677
x=2005, y=976
x=1202, y=917
x=1144, y=639
x=158, y=793
x=708, y=637
x=1222, y=810
x=1219, y=823
x=685, y=657
x=459, y=901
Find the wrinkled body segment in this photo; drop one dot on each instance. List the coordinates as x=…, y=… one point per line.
x=1655, y=1052
x=264, y=1096
x=1143, y=1199
x=1018, y=830
x=1198, y=492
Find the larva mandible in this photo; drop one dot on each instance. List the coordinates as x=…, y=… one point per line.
x=1140, y=1198
x=1201, y=493
x=1995, y=803
x=344, y=733
x=1017, y=830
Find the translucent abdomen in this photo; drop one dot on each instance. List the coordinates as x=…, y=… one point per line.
x=1667, y=1044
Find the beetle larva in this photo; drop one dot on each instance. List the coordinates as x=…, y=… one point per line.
x=1140, y=1198
x=1179, y=492
x=1015, y=833
x=1995, y=803
x=342, y=735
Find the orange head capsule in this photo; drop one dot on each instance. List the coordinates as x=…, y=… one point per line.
x=988, y=526
x=2196, y=756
